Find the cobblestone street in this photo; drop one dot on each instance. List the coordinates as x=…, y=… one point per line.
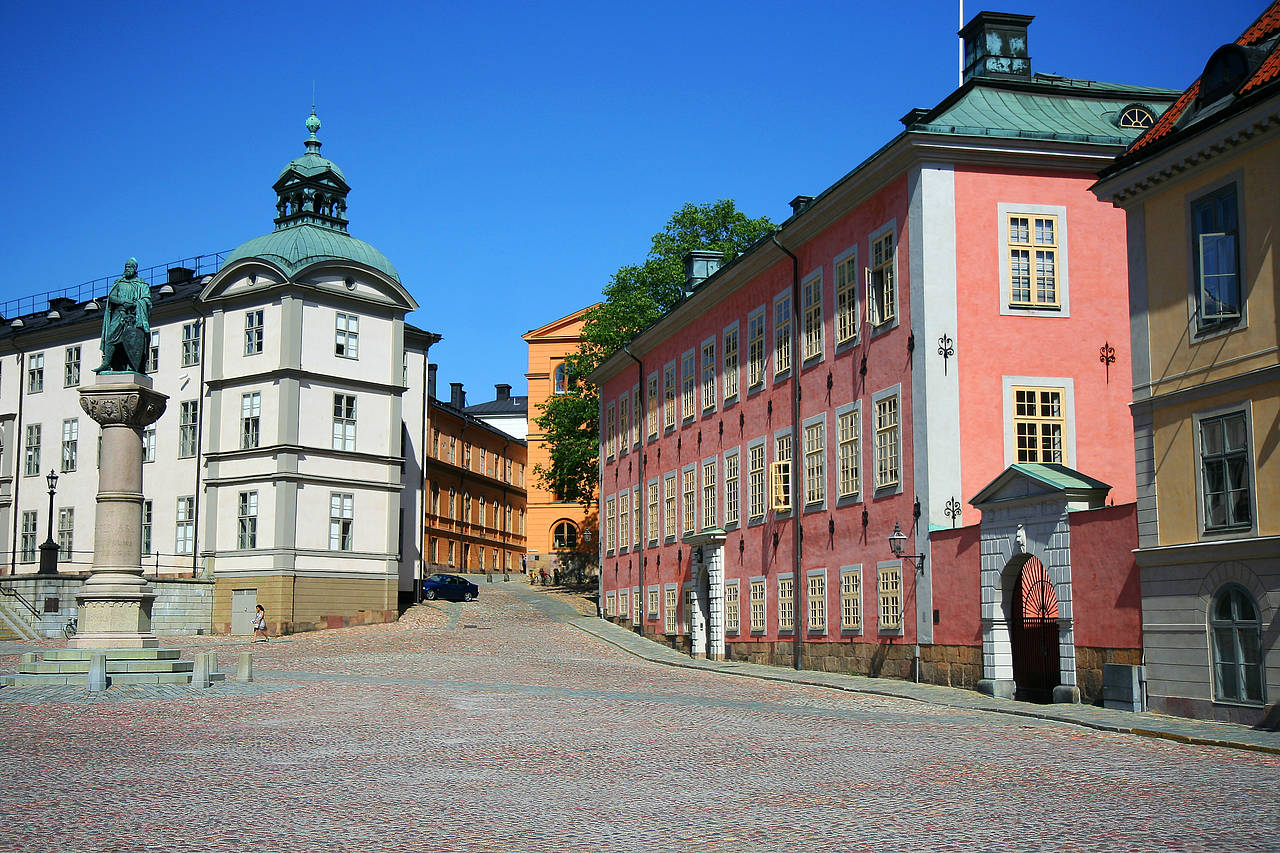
x=489, y=726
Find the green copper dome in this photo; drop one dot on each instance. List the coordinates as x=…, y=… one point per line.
x=297, y=247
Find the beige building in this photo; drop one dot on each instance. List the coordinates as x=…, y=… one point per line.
x=1202, y=192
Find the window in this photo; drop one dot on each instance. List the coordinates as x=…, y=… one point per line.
x=1039, y=423
x=609, y=426
x=669, y=609
x=453, y=503
x=623, y=596
x=757, y=605
x=687, y=382
x=851, y=600
x=451, y=548
x=732, y=609
x=755, y=482
x=755, y=348
x=635, y=515
x=624, y=520
x=560, y=384
x=709, y=502
x=850, y=428
x=708, y=375
x=1226, y=471
x=891, y=598
x=882, y=295
x=32, y=468
x=653, y=602
x=149, y=444
x=1237, y=646
x=610, y=531
x=70, y=442
x=35, y=373
x=1136, y=117
x=782, y=334
x=29, y=534
x=651, y=520
x=847, y=299
x=624, y=423
x=247, y=520
x=817, y=603
x=346, y=337
x=146, y=527
x=564, y=535
x=887, y=442
x=250, y=419
x=651, y=406
x=1216, y=250
x=1033, y=245
x=782, y=473
x=731, y=488
x=253, y=332
x=815, y=463
x=635, y=415
x=730, y=382
x=610, y=603
x=786, y=604
x=669, y=506
x=190, y=344
x=669, y=396
x=811, y=291
x=71, y=367
x=184, y=534
x=341, y=521
x=153, y=353
x=466, y=508
x=636, y=614
x=344, y=421
x=66, y=533
x=690, y=495
x=188, y=421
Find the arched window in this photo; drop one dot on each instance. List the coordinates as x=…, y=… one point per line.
x=466, y=507
x=1237, y=646
x=453, y=497
x=1136, y=115
x=561, y=380
x=565, y=535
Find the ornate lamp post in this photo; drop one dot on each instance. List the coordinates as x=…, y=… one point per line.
x=49, y=550
x=897, y=539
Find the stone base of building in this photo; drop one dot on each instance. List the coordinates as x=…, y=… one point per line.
x=296, y=604
x=1265, y=717
x=1089, y=663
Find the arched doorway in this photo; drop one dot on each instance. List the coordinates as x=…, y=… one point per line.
x=1033, y=634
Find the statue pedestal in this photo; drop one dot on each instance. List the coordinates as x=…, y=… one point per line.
x=115, y=602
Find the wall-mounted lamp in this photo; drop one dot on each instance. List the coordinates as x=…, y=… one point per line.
x=897, y=539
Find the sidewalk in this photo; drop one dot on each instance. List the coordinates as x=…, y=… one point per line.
x=1201, y=732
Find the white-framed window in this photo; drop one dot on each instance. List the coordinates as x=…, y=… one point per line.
x=1238, y=657
x=732, y=608
x=1040, y=424
x=1033, y=260
x=689, y=496
x=670, y=609
x=851, y=598
x=610, y=603
x=610, y=530
x=688, y=382
x=71, y=367
x=624, y=520
x=755, y=349
x=811, y=293
x=782, y=495
x=1219, y=301
x=755, y=481
x=184, y=538
x=781, y=333
x=32, y=451
x=70, y=444
x=757, y=612
x=730, y=359
x=610, y=426
x=66, y=534
x=890, y=595
x=888, y=440
x=686, y=612
x=669, y=396
x=882, y=276
x=188, y=427
x=346, y=336
x=652, y=604
x=35, y=373
x=1223, y=442
x=652, y=518
x=731, y=486
x=247, y=520
x=560, y=381
x=253, y=327
x=342, y=513
x=669, y=506
x=250, y=420
x=817, y=601
x=147, y=508
x=149, y=443
x=709, y=375
x=651, y=406
x=191, y=344
x=786, y=604
x=815, y=461
x=709, y=502
x=344, y=421
x=849, y=429
x=30, y=531
x=624, y=423
x=846, y=266
x=153, y=353
x=636, y=612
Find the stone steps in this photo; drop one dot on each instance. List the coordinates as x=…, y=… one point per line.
x=113, y=666
x=70, y=667
x=112, y=654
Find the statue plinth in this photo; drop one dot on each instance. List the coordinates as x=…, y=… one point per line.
x=115, y=602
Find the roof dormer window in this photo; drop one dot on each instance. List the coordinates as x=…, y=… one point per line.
x=1136, y=116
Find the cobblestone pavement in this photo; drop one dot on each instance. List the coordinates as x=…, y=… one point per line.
x=490, y=726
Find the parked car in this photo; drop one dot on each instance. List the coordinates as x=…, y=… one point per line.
x=450, y=587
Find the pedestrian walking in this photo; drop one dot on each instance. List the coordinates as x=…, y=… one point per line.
x=524, y=564
x=260, y=626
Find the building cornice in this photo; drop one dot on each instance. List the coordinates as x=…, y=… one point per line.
x=301, y=375
x=1215, y=551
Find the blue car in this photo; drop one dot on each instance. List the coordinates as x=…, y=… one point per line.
x=449, y=587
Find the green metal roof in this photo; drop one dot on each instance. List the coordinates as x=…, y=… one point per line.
x=296, y=247
x=1058, y=476
x=311, y=164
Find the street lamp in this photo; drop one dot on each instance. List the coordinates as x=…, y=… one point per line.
x=897, y=539
x=49, y=550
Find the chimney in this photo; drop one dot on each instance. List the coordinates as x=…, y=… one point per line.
x=457, y=397
x=504, y=391
x=799, y=203
x=177, y=275
x=431, y=379
x=995, y=46
x=699, y=265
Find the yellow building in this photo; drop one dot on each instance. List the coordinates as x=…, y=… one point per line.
x=1202, y=192
x=555, y=527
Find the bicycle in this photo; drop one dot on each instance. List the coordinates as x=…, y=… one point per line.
x=69, y=629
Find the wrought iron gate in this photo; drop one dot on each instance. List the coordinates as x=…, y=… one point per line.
x=1033, y=633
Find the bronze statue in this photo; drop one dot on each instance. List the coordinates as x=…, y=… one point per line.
x=126, y=324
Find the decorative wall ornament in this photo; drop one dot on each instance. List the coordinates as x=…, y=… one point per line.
x=1107, y=355
x=946, y=349
x=1020, y=540
x=953, y=510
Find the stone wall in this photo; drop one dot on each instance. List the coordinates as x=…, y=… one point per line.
x=297, y=604
x=182, y=606
x=1089, y=669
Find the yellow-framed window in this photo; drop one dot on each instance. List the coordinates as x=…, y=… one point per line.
x=757, y=605
x=882, y=293
x=782, y=334
x=670, y=611
x=755, y=482
x=887, y=442
x=815, y=463
x=1040, y=425
x=850, y=430
x=755, y=349
x=786, y=604
x=730, y=382
x=709, y=502
x=732, y=612
x=851, y=601
x=811, y=291
x=690, y=494
x=847, y=300
x=890, y=598
x=817, y=603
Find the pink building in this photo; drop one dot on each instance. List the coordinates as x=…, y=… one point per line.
x=922, y=347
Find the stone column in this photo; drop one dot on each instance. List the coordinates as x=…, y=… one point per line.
x=115, y=602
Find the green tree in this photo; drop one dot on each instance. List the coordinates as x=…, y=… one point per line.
x=634, y=299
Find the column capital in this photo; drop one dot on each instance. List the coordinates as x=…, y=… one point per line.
x=123, y=399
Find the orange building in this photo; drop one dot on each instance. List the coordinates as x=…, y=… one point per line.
x=555, y=527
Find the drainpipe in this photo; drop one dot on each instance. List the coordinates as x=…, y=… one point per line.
x=796, y=535
x=644, y=515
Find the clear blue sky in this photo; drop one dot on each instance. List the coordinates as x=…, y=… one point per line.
x=507, y=157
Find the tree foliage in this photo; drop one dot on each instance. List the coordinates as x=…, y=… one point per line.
x=634, y=299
